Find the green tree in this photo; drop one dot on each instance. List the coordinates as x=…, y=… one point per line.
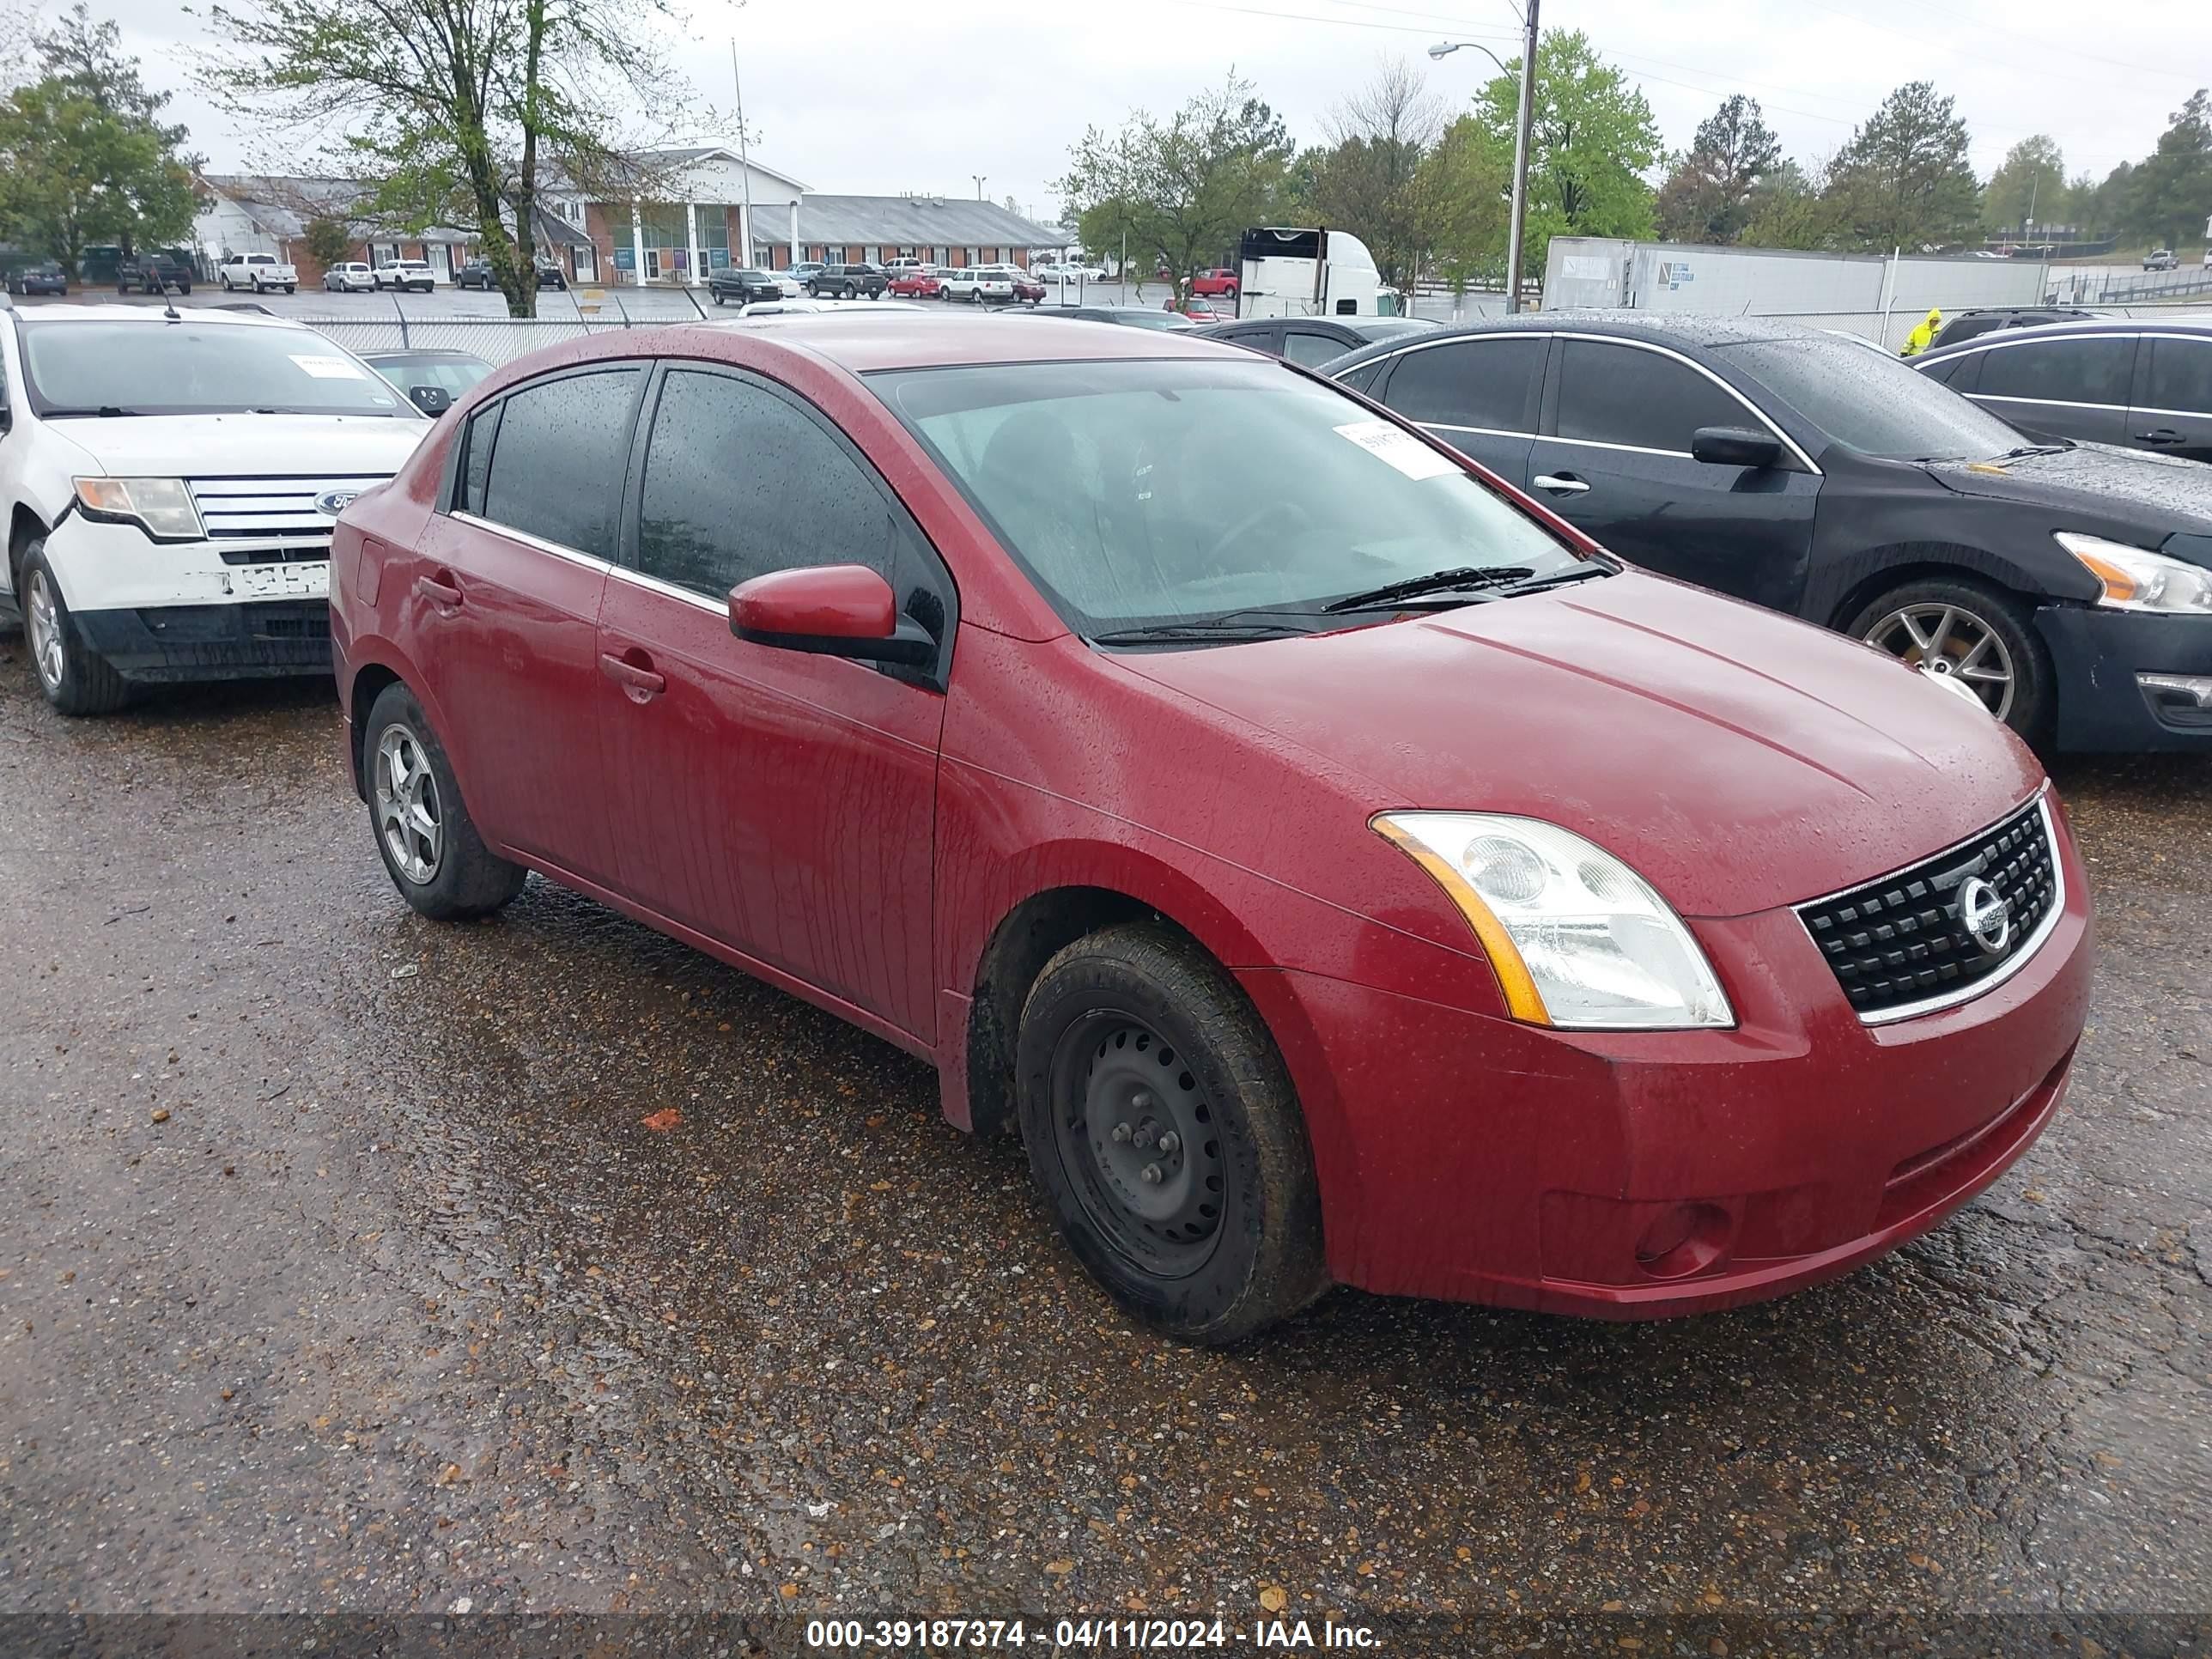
x=84, y=156
x=1363, y=182
x=1710, y=190
x=458, y=113
x=1793, y=210
x=1185, y=188
x=2112, y=203
x=1903, y=180
x=2031, y=179
x=2171, y=190
x=330, y=241
x=1591, y=140
x=1462, y=191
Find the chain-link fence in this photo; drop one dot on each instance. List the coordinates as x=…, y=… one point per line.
x=497, y=339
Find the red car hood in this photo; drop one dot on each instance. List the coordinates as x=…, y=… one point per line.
x=1738, y=759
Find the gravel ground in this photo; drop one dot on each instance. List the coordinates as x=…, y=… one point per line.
x=344, y=1268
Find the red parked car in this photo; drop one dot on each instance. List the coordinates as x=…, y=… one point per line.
x=1220, y=280
x=1334, y=867
x=1027, y=288
x=916, y=282
x=1202, y=311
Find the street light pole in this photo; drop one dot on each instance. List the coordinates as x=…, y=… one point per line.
x=1527, y=72
x=978, y=178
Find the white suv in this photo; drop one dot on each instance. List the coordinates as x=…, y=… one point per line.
x=977, y=282
x=409, y=276
x=169, y=488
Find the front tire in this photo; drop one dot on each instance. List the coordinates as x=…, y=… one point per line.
x=75, y=680
x=1163, y=1129
x=429, y=843
x=1977, y=638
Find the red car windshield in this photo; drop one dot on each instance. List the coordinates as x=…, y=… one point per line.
x=1142, y=494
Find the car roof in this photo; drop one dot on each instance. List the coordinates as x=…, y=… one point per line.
x=1661, y=328
x=419, y=354
x=923, y=338
x=2198, y=324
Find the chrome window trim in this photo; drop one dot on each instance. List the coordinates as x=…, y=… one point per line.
x=670, y=590
x=2001, y=339
x=1479, y=431
x=2185, y=414
x=2042, y=402
x=2019, y=959
x=1626, y=449
x=559, y=551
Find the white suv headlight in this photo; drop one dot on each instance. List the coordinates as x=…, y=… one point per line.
x=162, y=507
x=2136, y=579
x=1576, y=936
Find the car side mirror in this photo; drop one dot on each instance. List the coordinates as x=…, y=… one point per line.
x=1734, y=446
x=432, y=400
x=832, y=610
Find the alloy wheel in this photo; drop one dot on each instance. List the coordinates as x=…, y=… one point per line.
x=1952, y=645
x=1139, y=1143
x=408, y=814
x=43, y=623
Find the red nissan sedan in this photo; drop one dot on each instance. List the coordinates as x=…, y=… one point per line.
x=1335, y=868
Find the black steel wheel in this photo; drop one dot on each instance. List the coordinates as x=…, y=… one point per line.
x=1162, y=1130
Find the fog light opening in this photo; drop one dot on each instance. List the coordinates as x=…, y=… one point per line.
x=1686, y=1239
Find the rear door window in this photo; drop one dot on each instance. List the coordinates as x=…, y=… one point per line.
x=1481, y=385
x=1623, y=394
x=556, y=468
x=2181, y=376
x=1304, y=345
x=2076, y=371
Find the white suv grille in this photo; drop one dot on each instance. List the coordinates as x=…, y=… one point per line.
x=270, y=509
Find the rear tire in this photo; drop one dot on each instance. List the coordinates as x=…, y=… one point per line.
x=75, y=679
x=1987, y=632
x=1163, y=1129
x=429, y=843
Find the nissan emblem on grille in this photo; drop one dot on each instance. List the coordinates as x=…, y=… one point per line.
x=1981, y=908
x=1946, y=928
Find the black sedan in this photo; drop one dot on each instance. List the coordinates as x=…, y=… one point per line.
x=2139, y=383
x=742, y=285
x=2067, y=587
x=1314, y=340
x=47, y=278
x=478, y=273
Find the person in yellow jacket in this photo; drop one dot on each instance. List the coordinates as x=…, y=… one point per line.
x=1921, y=337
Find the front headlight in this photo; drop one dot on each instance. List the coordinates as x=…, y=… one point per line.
x=2136, y=579
x=162, y=507
x=1576, y=936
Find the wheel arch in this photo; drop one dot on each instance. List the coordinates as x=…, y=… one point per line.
x=24, y=527
x=1887, y=568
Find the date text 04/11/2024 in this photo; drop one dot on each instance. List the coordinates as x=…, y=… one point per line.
x=1083, y=1635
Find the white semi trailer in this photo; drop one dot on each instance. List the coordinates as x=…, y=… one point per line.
x=1289, y=272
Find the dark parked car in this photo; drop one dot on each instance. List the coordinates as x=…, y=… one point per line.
x=860, y=281
x=742, y=285
x=1973, y=324
x=2139, y=383
x=153, y=273
x=477, y=273
x=2069, y=589
x=1313, y=340
x=1332, y=869
x=47, y=278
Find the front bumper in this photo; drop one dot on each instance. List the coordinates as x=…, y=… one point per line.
x=2099, y=656
x=1632, y=1175
x=184, y=610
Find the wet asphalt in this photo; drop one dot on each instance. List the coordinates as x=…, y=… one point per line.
x=342, y=1266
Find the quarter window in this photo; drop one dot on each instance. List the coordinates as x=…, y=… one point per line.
x=740, y=481
x=1615, y=394
x=557, y=467
x=1303, y=346
x=2181, y=375
x=2077, y=371
x=1489, y=384
x=475, y=458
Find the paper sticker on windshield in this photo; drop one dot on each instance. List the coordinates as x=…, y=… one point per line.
x=330, y=368
x=1401, y=449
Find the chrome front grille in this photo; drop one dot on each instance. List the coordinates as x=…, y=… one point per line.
x=270, y=509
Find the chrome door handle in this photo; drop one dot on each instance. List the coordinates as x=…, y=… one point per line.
x=1560, y=483
x=2165, y=435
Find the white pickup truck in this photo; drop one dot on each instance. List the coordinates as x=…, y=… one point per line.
x=259, y=271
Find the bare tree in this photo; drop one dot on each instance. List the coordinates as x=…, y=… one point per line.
x=1364, y=181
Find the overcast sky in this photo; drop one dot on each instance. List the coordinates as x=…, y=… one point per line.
x=873, y=97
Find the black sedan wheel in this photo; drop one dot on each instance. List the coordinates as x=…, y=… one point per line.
x=1165, y=1135
x=1972, y=638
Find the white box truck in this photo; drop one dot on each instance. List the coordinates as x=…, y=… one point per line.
x=1292, y=272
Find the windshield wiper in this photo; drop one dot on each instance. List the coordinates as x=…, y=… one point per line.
x=106, y=412
x=1578, y=572
x=1223, y=632
x=2026, y=450
x=1438, y=581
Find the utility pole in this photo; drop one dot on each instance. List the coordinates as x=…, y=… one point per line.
x=744, y=163
x=1521, y=146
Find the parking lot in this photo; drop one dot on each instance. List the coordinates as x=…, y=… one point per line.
x=358, y=1263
